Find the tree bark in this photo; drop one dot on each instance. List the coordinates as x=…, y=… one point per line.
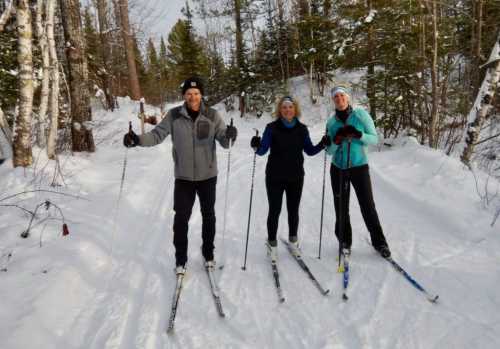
x=482, y=104
x=370, y=79
x=81, y=133
x=22, y=129
x=135, y=89
x=239, y=55
x=102, y=15
x=434, y=117
x=9, y=10
x=41, y=129
x=476, y=49
x=54, y=80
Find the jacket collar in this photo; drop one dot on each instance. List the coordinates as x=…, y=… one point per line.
x=349, y=112
x=184, y=112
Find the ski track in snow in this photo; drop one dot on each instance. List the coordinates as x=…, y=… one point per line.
x=123, y=300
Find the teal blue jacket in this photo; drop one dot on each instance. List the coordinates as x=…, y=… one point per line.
x=360, y=119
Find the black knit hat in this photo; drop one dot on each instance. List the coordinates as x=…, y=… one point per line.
x=192, y=82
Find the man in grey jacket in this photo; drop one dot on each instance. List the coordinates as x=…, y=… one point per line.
x=194, y=127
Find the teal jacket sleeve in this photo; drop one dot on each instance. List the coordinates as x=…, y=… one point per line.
x=369, y=135
x=331, y=133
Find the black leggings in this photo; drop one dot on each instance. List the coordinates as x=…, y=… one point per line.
x=359, y=177
x=275, y=189
x=184, y=196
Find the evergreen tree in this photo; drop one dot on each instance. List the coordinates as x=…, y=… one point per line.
x=186, y=56
x=9, y=86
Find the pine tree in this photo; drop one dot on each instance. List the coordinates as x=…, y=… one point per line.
x=9, y=85
x=186, y=56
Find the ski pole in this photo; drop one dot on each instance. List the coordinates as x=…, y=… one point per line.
x=344, y=189
x=322, y=203
x=120, y=192
x=250, y=208
x=225, y=201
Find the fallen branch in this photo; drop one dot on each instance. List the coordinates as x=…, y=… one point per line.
x=45, y=191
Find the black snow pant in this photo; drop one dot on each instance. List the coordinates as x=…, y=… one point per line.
x=184, y=195
x=275, y=189
x=359, y=177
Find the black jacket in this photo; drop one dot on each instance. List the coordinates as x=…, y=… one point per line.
x=286, y=160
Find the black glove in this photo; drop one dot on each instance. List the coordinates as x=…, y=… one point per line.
x=231, y=132
x=325, y=141
x=353, y=132
x=339, y=136
x=255, y=142
x=131, y=139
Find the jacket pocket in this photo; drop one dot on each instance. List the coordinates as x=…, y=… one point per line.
x=202, y=130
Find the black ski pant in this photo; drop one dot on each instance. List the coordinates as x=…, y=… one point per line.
x=184, y=195
x=359, y=177
x=275, y=189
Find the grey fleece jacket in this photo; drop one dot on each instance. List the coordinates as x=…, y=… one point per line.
x=193, y=147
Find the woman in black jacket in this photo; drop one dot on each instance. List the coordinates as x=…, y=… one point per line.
x=287, y=138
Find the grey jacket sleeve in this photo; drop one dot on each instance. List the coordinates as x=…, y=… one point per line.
x=220, y=131
x=158, y=134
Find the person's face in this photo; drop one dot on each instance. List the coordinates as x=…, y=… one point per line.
x=193, y=98
x=341, y=101
x=287, y=111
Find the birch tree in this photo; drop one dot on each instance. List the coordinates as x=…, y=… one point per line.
x=22, y=129
x=54, y=81
x=483, y=103
x=41, y=137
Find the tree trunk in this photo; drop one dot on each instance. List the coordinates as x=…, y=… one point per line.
x=22, y=129
x=54, y=79
x=482, y=104
x=239, y=55
x=6, y=14
x=102, y=15
x=476, y=49
x=41, y=129
x=81, y=133
x=133, y=79
x=370, y=79
x=434, y=118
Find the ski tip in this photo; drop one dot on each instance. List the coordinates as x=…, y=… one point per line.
x=434, y=299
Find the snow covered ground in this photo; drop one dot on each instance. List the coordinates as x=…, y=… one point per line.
x=109, y=283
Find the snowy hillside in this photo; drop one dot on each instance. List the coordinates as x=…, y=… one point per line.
x=109, y=283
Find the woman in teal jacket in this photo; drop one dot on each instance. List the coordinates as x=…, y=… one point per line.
x=351, y=130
